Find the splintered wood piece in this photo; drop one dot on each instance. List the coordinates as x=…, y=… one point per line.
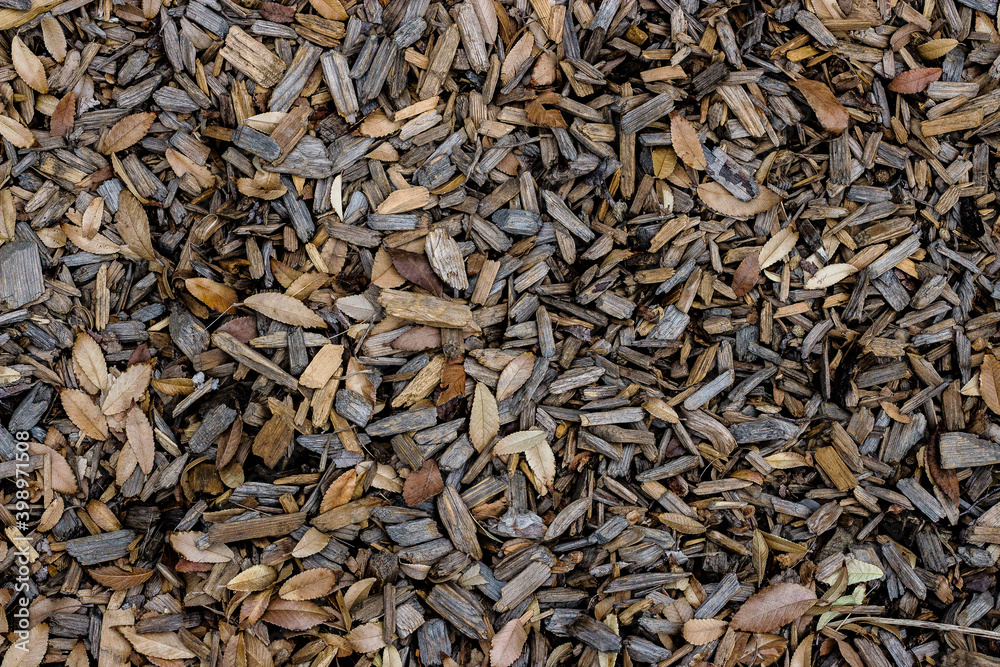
x=252, y=58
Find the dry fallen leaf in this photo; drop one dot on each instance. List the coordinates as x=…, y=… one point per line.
x=721, y=201
x=700, y=631
x=284, y=309
x=778, y=247
x=914, y=80
x=507, y=644
x=84, y=413
x=64, y=116
x=830, y=275
x=484, y=417
x=28, y=66
x=773, y=607
x=127, y=387
x=295, y=614
x=308, y=585
x=514, y=375
x=746, y=275
x=253, y=579
x=127, y=132
x=989, y=382
x=215, y=295
x=118, y=579
x=422, y=485
x=829, y=111
x=686, y=142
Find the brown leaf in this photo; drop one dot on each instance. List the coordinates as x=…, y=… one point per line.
x=722, y=201
x=89, y=364
x=746, y=274
x=700, y=631
x=64, y=116
x=516, y=56
x=132, y=224
x=128, y=387
x=417, y=270
x=384, y=274
x=16, y=133
x=141, y=440
x=294, y=614
x=63, y=477
x=118, y=579
x=514, y=375
x=37, y=643
x=829, y=111
x=127, y=132
x=484, y=417
x=686, y=142
x=164, y=645
x=284, y=308
x=946, y=480
x=340, y=492
x=53, y=37
x=423, y=484
x=507, y=644
x=184, y=543
x=309, y=585
x=452, y=381
x=253, y=579
x=989, y=382
x=84, y=413
x=418, y=338
x=28, y=66
x=216, y=296
x=773, y=607
x=914, y=80
x=539, y=115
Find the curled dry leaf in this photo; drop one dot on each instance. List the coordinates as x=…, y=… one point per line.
x=422, y=485
x=829, y=111
x=830, y=275
x=507, y=644
x=417, y=270
x=514, y=375
x=184, y=543
x=773, y=607
x=914, y=80
x=989, y=383
x=700, y=631
x=686, y=142
x=717, y=198
x=284, y=308
x=118, y=579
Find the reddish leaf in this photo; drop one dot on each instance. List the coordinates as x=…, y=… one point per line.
x=417, y=270
x=914, y=80
x=64, y=116
x=423, y=484
x=746, y=274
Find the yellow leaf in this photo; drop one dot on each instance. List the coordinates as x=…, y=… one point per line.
x=215, y=295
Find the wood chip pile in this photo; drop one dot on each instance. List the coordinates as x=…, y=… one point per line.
x=499, y=333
